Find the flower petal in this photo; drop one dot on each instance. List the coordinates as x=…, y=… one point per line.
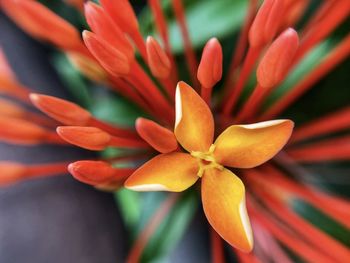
x=247, y=146
x=194, y=125
x=174, y=172
x=223, y=197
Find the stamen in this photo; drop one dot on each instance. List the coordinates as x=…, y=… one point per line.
x=206, y=160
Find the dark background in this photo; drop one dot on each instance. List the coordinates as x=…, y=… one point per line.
x=58, y=219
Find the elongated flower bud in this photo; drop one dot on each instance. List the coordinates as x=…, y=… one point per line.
x=102, y=25
x=90, y=138
x=87, y=66
x=158, y=60
x=61, y=110
x=277, y=59
x=20, y=131
x=10, y=109
x=111, y=59
x=11, y=172
x=158, y=137
x=40, y=21
x=100, y=174
x=210, y=67
x=266, y=23
x=92, y=172
x=122, y=13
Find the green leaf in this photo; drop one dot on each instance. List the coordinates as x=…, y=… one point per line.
x=72, y=79
x=205, y=19
x=115, y=109
x=322, y=221
x=130, y=205
x=172, y=229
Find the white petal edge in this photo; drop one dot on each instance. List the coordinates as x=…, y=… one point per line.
x=262, y=124
x=178, y=106
x=148, y=187
x=245, y=221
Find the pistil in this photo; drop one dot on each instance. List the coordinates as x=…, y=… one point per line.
x=206, y=160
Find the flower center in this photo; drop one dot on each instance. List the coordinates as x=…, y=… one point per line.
x=206, y=160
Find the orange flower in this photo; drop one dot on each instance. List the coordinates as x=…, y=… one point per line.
x=239, y=146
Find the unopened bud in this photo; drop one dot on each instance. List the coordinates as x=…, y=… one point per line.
x=61, y=110
x=90, y=138
x=110, y=58
x=266, y=22
x=210, y=67
x=158, y=60
x=160, y=138
x=277, y=60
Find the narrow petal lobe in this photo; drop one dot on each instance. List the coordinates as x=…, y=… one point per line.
x=223, y=197
x=194, y=125
x=174, y=172
x=247, y=146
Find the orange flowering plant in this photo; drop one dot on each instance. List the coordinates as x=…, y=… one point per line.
x=231, y=130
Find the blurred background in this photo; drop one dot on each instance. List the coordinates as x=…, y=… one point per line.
x=58, y=219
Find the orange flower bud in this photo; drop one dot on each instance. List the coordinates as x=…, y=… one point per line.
x=98, y=173
x=277, y=60
x=12, y=88
x=210, y=68
x=102, y=25
x=266, y=23
x=87, y=66
x=61, y=110
x=10, y=109
x=5, y=69
x=11, y=172
x=122, y=13
x=90, y=138
x=92, y=172
x=158, y=60
x=158, y=137
x=20, y=131
x=41, y=22
x=111, y=59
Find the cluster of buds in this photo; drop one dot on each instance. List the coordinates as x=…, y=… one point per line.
x=195, y=133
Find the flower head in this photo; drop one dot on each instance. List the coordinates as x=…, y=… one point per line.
x=239, y=146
